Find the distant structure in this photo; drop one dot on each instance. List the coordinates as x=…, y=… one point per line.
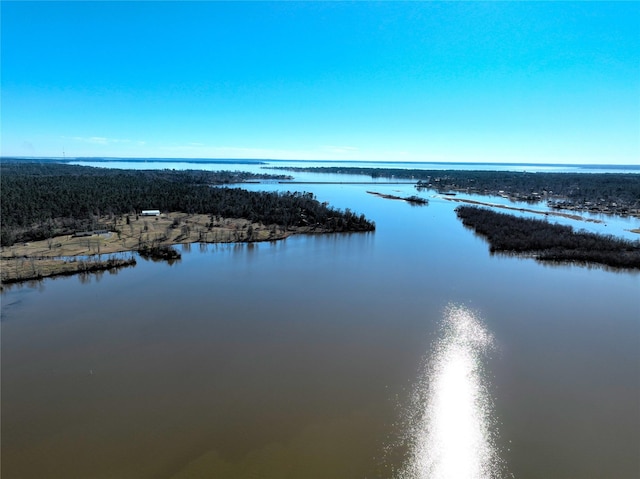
x=150, y=213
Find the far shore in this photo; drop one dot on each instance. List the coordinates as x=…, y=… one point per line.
x=94, y=250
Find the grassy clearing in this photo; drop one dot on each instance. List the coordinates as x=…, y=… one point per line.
x=57, y=255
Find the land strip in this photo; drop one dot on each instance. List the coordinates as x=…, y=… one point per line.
x=409, y=199
x=527, y=210
x=104, y=249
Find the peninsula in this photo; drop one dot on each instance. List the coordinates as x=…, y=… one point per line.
x=63, y=219
x=547, y=241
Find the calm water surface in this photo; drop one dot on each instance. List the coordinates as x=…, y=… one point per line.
x=326, y=356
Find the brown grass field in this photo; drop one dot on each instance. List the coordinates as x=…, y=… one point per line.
x=57, y=255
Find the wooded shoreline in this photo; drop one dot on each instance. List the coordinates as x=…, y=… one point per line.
x=547, y=241
x=53, y=213
x=39, y=201
x=60, y=219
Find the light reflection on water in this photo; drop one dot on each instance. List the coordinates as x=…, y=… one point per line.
x=452, y=427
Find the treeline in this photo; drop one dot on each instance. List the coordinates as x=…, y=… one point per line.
x=68, y=268
x=25, y=167
x=615, y=192
x=548, y=241
x=39, y=201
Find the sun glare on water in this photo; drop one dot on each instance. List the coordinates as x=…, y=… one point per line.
x=451, y=431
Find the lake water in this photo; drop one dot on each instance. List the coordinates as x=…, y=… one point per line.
x=410, y=352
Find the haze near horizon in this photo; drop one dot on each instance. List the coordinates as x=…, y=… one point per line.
x=385, y=81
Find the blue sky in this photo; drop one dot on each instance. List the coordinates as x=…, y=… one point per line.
x=542, y=82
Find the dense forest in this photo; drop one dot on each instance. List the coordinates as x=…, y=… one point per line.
x=615, y=193
x=41, y=200
x=548, y=241
x=26, y=167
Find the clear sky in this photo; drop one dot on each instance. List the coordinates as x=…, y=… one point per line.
x=542, y=82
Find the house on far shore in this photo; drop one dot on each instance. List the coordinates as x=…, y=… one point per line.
x=150, y=213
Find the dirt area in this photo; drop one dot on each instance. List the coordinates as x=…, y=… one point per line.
x=58, y=255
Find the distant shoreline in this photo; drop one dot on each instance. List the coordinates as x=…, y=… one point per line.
x=96, y=159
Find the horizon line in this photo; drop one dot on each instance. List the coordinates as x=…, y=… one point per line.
x=236, y=160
